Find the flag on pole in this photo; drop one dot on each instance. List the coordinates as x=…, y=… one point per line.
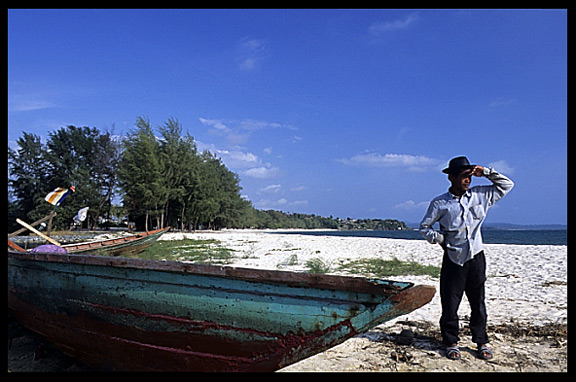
x=58, y=195
x=81, y=216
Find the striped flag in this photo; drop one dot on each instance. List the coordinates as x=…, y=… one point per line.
x=58, y=195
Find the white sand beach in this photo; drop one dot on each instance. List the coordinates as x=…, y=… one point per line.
x=526, y=287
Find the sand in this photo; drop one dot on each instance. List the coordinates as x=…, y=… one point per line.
x=526, y=298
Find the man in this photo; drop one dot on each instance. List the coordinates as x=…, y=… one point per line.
x=460, y=213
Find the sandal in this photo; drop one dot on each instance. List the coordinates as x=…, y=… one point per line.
x=453, y=353
x=485, y=352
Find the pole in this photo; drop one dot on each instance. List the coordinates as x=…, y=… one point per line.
x=50, y=216
x=24, y=224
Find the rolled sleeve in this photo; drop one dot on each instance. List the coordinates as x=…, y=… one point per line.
x=426, y=230
x=501, y=185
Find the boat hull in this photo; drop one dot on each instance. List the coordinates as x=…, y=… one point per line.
x=131, y=314
x=123, y=246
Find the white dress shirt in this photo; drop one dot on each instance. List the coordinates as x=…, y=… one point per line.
x=460, y=218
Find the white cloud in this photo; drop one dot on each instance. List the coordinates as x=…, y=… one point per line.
x=234, y=159
x=239, y=159
x=387, y=26
x=220, y=127
x=217, y=124
x=254, y=125
x=502, y=167
x=238, y=132
x=411, y=162
x=412, y=205
x=235, y=133
x=248, y=63
x=267, y=204
x=262, y=172
x=250, y=53
x=273, y=188
x=251, y=45
x=18, y=104
x=26, y=96
x=276, y=198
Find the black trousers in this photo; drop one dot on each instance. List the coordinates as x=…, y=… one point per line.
x=454, y=281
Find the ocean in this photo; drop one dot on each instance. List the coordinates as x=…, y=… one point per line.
x=489, y=236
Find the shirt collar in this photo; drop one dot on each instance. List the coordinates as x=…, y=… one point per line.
x=452, y=196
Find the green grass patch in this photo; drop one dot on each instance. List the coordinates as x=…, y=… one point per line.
x=317, y=265
x=381, y=268
x=292, y=260
x=197, y=251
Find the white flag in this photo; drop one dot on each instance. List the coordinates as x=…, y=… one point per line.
x=81, y=216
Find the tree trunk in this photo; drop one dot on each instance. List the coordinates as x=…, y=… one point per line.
x=182, y=217
x=146, y=221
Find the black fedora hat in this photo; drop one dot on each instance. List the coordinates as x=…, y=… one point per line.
x=457, y=164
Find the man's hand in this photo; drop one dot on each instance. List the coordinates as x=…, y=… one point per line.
x=443, y=245
x=477, y=171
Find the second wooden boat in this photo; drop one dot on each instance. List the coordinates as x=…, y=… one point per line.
x=122, y=246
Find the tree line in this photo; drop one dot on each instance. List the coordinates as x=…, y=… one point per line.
x=80, y=156
x=160, y=175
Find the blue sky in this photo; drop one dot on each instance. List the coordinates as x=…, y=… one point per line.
x=349, y=113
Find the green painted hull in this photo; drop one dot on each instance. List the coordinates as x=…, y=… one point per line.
x=131, y=314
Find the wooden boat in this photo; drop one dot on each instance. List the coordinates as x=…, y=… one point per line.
x=123, y=246
x=118, y=313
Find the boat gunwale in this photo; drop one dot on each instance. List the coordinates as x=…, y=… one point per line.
x=93, y=245
x=297, y=279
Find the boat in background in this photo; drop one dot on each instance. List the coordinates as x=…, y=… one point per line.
x=122, y=246
x=118, y=313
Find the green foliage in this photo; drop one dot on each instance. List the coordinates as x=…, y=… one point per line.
x=278, y=219
x=168, y=182
x=28, y=172
x=372, y=224
x=80, y=156
x=141, y=172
